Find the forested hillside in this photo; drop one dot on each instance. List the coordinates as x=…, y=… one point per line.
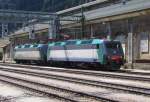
x=37, y=5
x=40, y=5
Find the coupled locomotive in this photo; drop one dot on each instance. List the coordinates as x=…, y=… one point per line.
x=29, y=53
x=96, y=52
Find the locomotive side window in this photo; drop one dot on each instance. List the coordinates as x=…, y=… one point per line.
x=19, y=46
x=58, y=44
x=35, y=45
x=87, y=42
x=71, y=43
x=27, y=46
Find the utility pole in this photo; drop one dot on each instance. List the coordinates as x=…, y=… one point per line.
x=54, y=26
x=82, y=22
x=6, y=5
x=91, y=31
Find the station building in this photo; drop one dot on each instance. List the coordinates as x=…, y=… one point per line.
x=124, y=20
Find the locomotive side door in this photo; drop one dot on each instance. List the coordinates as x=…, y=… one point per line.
x=100, y=53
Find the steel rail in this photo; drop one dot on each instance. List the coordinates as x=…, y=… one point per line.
x=85, y=72
x=120, y=87
x=24, y=82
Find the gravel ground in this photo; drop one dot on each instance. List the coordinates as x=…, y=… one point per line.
x=10, y=93
x=4, y=99
x=120, y=96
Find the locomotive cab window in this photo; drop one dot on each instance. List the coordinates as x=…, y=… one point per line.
x=113, y=47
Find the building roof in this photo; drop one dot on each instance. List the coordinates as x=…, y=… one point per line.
x=4, y=42
x=118, y=9
x=112, y=10
x=80, y=6
x=26, y=29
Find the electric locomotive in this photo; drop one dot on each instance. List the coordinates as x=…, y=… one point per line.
x=108, y=54
x=96, y=52
x=31, y=53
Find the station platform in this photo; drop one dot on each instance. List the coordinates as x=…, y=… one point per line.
x=141, y=65
x=142, y=61
x=136, y=71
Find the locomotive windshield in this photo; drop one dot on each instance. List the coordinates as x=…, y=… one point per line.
x=114, y=48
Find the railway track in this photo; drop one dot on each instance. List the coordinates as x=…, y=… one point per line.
x=136, y=76
x=131, y=72
x=127, y=88
x=112, y=86
x=54, y=91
